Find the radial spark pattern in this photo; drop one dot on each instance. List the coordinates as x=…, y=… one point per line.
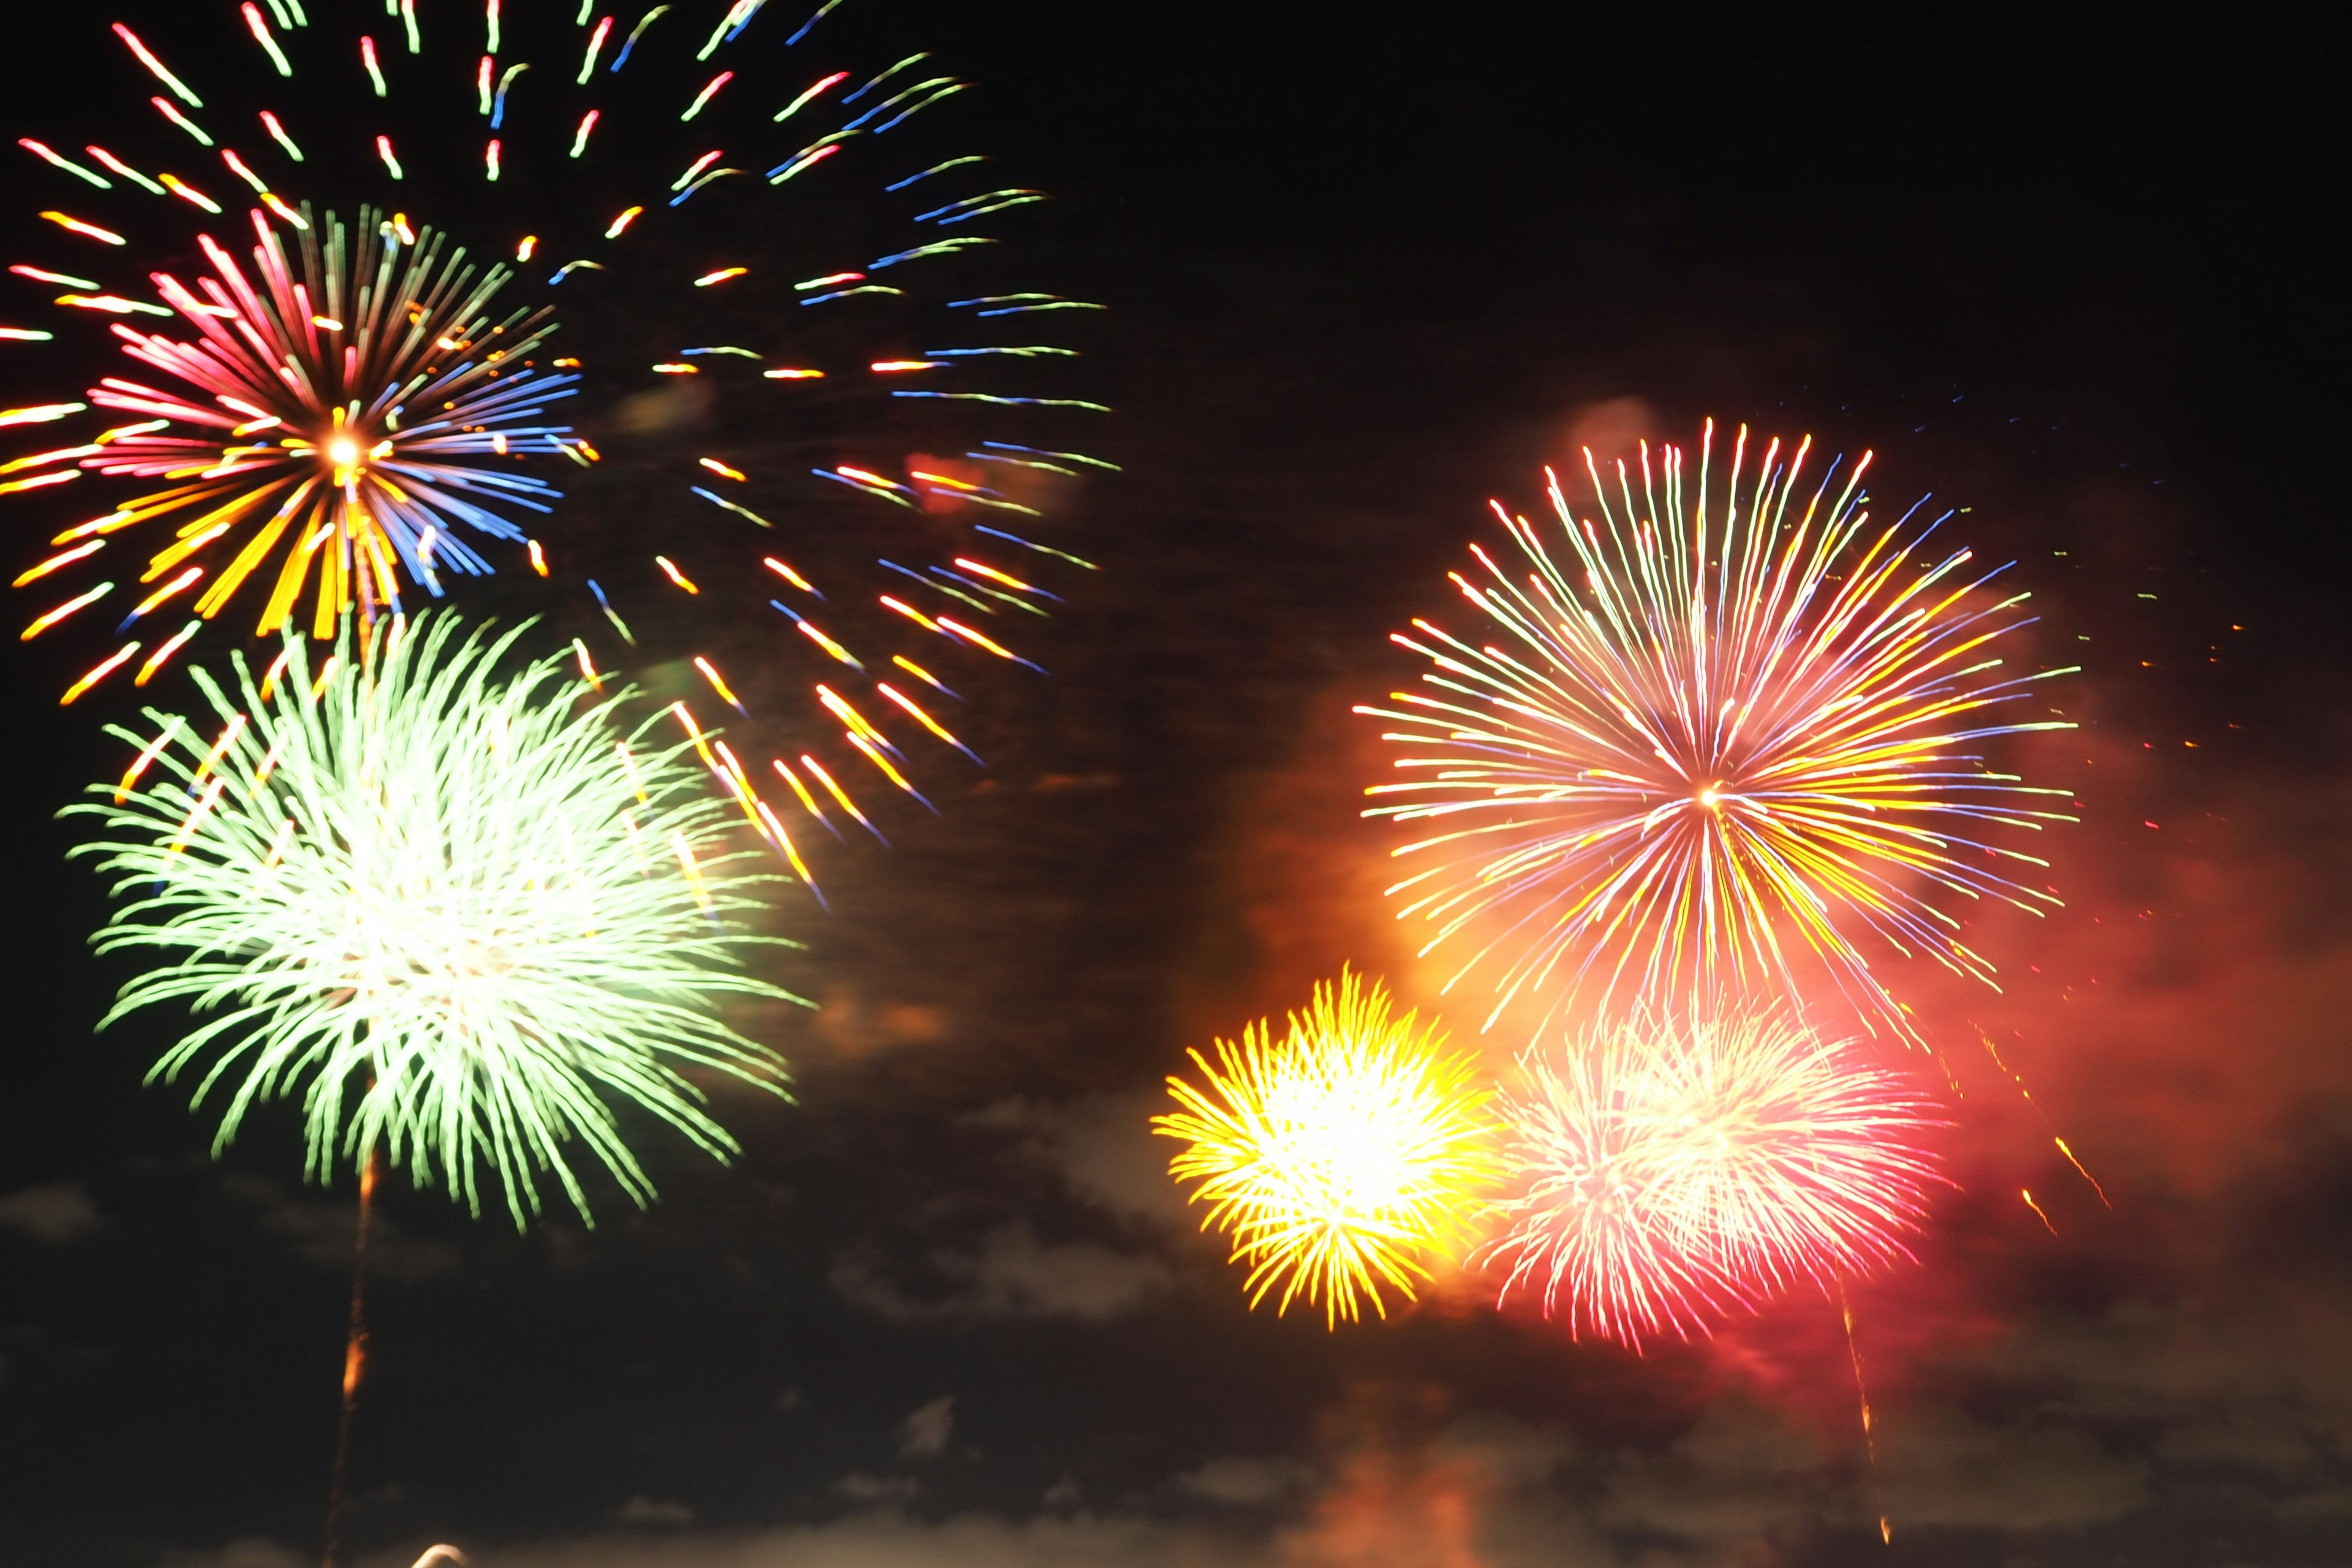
x=1722, y=722
x=736, y=286
x=1661, y=1172
x=1342, y=1159
x=455, y=912
x=359, y=405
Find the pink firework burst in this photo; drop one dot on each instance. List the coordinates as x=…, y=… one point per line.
x=1663, y=1172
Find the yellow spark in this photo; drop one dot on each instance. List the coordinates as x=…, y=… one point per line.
x=799, y=789
x=92, y=230
x=685, y=716
x=711, y=673
x=44, y=623
x=104, y=669
x=827, y=644
x=156, y=660
x=873, y=753
x=147, y=754
x=920, y=673
x=784, y=840
x=693, y=872
x=33, y=573
x=835, y=790
x=1341, y=1160
x=2079, y=1168
x=973, y=636
x=850, y=716
x=629, y=768
x=186, y=577
x=924, y=720
x=196, y=815
x=990, y=571
x=229, y=732
x=2037, y=1210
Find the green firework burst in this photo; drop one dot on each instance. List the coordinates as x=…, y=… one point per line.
x=456, y=912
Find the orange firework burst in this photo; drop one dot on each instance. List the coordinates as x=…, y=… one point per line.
x=1710, y=728
x=1662, y=1172
x=1340, y=1159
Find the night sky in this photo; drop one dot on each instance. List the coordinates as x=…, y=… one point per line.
x=1367, y=268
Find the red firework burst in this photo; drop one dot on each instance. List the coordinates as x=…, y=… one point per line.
x=1663, y=1172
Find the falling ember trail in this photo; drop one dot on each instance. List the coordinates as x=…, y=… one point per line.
x=1862, y=1396
x=2044, y=1219
x=354, y=1368
x=2078, y=1166
x=2019, y=1078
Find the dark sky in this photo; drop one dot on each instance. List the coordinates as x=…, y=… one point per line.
x=1367, y=268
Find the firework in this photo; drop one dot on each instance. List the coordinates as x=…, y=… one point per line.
x=457, y=914
x=1660, y=1173
x=1723, y=723
x=1340, y=1160
x=765, y=272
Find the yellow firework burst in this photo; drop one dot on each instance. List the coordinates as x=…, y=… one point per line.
x=1342, y=1159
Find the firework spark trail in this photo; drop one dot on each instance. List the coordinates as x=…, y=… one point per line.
x=1713, y=727
x=332, y=415
x=1862, y=1399
x=2026, y=1094
x=1342, y=1159
x=413, y=873
x=1662, y=1172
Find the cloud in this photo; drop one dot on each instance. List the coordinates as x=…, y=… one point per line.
x=1012, y=1275
x=53, y=1211
x=1244, y=1482
x=870, y=1490
x=924, y=1433
x=323, y=1230
x=1105, y=1150
x=886, y=1539
x=1940, y=1466
x=1740, y=1471
x=642, y=1509
x=855, y=1026
x=250, y=1552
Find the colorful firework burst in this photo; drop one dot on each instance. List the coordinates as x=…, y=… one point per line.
x=1723, y=724
x=455, y=912
x=1660, y=1172
x=1341, y=1160
x=311, y=367
x=815, y=427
